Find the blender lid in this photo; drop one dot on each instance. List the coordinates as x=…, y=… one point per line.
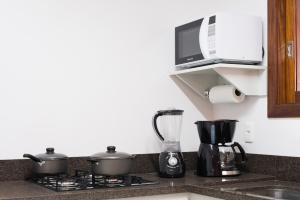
x=170, y=112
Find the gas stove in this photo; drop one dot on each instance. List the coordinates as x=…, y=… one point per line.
x=84, y=180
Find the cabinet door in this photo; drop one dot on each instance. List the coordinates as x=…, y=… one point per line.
x=283, y=58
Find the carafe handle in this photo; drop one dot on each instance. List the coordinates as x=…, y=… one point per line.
x=154, y=124
x=242, y=151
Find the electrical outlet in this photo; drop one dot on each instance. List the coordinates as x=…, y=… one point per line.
x=249, y=132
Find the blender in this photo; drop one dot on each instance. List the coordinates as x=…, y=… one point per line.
x=171, y=164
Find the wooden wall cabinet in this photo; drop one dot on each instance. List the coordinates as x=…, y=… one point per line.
x=283, y=58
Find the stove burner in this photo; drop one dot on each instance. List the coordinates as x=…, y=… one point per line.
x=83, y=180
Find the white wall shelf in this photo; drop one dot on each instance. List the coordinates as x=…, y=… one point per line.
x=249, y=79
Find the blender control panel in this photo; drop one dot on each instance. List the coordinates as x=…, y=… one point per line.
x=172, y=161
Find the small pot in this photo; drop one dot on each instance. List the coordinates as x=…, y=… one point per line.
x=111, y=162
x=49, y=163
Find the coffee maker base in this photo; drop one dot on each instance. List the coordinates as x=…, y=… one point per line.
x=222, y=174
x=231, y=173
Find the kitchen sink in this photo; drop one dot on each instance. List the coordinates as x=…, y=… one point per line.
x=272, y=192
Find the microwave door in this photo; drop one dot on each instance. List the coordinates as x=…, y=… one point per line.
x=204, y=39
x=187, y=44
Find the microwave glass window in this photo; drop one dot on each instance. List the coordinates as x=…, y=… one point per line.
x=188, y=42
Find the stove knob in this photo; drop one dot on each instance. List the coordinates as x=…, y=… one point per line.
x=172, y=161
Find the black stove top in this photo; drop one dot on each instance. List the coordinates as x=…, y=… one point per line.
x=84, y=180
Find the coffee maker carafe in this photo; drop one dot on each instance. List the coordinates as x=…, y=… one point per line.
x=171, y=164
x=217, y=154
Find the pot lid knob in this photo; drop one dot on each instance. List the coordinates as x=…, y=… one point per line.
x=111, y=149
x=50, y=150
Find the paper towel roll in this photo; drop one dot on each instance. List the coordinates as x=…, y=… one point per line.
x=225, y=94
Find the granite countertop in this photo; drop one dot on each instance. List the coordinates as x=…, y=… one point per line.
x=21, y=190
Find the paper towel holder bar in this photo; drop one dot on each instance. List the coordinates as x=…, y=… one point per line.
x=236, y=92
x=206, y=92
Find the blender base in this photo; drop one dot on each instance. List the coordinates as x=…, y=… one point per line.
x=171, y=165
x=163, y=175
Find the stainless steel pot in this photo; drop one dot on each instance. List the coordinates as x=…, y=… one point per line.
x=111, y=162
x=49, y=163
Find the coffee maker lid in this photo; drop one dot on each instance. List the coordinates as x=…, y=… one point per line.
x=218, y=120
x=215, y=132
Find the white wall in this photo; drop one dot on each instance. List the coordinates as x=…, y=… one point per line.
x=80, y=75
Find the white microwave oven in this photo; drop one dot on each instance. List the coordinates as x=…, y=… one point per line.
x=223, y=37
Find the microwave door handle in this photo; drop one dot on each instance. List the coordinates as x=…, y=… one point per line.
x=203, y=37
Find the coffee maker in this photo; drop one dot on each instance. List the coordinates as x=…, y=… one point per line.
x=171, y=164
x=217, y=154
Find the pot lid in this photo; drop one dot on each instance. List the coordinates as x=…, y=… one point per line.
x=110, y=154
x=51, y=155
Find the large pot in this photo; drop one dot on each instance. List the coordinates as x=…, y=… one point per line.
x=49, y=163
x=111, y=162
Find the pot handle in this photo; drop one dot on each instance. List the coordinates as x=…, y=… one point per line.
x=96, y=162
x=35, y=159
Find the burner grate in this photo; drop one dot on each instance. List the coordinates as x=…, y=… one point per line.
x=84, y=180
